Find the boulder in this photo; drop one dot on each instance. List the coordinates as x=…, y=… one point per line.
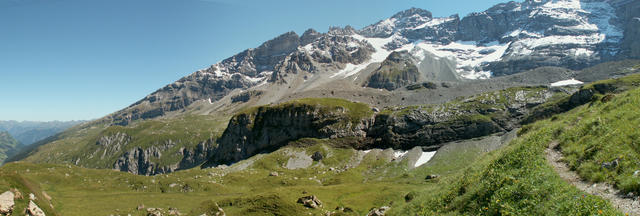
x=273, y=174
x=429, y=177
x=6, y=203
x=379, y=211
x=174, y=211
x=310, y=201
x=154, y=212
x=610, y=165
x=33, y=210
x=317, y=156
x=17, y=193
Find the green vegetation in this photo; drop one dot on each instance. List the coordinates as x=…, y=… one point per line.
x=604, y=133
x=515, y=180
x=490, y=104
x=355, y=111
x=371, y=182
x=8, y=145
x=184, y=131
x=599, y=141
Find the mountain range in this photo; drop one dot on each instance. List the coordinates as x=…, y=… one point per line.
x=28, y=132
x=349, y=107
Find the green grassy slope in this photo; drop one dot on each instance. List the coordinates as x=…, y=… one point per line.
x=371, y=183
x=517, y=180
x=79, y=143
x=8, y=145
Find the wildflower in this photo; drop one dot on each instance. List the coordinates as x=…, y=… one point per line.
x=599, y=211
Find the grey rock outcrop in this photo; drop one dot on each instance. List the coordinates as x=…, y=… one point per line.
x=629, y=13
x=269, y=128
x=396, y=71
x=331, y=51
x=140, y=161
x=310, y=201
x=7, y=203
x=34, y=210
x=238, y=72
x=379, y=211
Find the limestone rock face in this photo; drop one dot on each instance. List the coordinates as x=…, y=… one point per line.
x=270, y=128
x=6, y=203
x=310, y=201
x=34, y=210
x=139, y=160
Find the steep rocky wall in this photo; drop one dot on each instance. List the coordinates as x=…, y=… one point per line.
x=140, y=160
x=269, y=128
x=629, y=12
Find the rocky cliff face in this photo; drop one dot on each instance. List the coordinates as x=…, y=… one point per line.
x=513, y=37
x=508, y=38
x=144, y=161
x=629, y=13
x=241, y=71
x=468, y=118
x=269, y=128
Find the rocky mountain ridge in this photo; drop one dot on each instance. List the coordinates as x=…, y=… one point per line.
x=505, y=39
x=28, y=132
x=405, y=65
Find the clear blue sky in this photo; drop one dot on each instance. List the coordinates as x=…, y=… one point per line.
x=83, y=59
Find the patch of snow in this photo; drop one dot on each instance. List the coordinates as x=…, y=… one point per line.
x=601, y=13
x=561, y=39
x=468, y=55
x=424, y=158
x=433, y=22
x=399, y=154
x=253, y=79
x=582, y=52
x=591, y=16
x=379, y=55
x=308, y=48
x=519, y=32
x=571, y=81
x=366, y=151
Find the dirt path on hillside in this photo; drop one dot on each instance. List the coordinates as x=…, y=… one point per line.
x=622, y=202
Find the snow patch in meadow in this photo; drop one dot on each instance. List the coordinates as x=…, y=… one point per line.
x=571, y=81
x=424, y=158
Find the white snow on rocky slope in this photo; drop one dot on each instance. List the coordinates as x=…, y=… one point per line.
x=399, y=154
x=468, y=55
x=379, y=55
x=424, y=158
x=571, y=81
x=592, y=18
x=434, y=22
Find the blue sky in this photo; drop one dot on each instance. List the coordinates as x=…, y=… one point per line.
x=83, y=59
